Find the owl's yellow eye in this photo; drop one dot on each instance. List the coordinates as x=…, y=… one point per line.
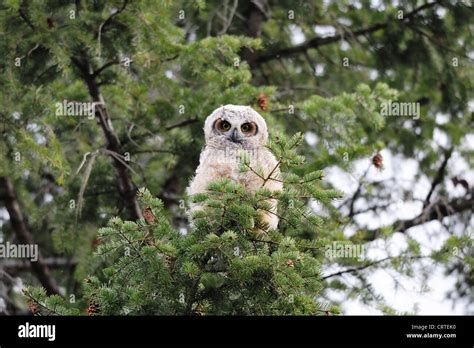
x=223, y=126
x=249, y=128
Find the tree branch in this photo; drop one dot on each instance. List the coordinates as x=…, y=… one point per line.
x=321, y=41
x=254, y=20
x=357, y=192
x=39, y=268
x=105, y=66
x=26, y=19
x=50, y=262
x=370, y=264
x=368, y=209
x=116, y=13
x=109, y=19
x=435, y=211
x=355, y=269
x=182, y=123
x=439, y=176
x=127, y=188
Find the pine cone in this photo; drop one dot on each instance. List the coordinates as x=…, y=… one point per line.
x=168, y=260
x=290, y=263
x=262, y=101
x=50, y=22
x=33, y=306
x=95, y=242
x=199, y=311
x=377, y=161
x=93, y=308
x=148, y=215
x=457, y=180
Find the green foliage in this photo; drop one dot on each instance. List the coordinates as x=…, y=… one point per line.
x=159, y=76
x=228, y=264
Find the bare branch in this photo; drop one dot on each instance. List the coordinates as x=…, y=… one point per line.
x=127, y=188
x=435, y=211
x=182, y=123
x=367, y=265
x=439, y=176
x=357, y=192
x=109, y=20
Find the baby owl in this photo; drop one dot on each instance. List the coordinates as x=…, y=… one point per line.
x=228, y=130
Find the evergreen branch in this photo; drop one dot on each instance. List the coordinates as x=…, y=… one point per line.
x=109, y=250
x=279, y=217
x=37, y=301
x=130, y=242
x=265, y=179
x=26, y=19
x=272, y=242
x=271, y=173
x=437, y=42
x=322, y=41
x=120, y=269
x=105, y=66
x=46, y=71
x=193, y=296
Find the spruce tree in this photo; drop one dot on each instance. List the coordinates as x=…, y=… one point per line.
x=102, y=193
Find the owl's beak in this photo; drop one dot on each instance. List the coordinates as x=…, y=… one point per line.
x=235, y=136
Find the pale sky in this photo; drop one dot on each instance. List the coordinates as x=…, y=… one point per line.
x=430, y=235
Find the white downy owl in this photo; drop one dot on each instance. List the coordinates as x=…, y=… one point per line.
x=228, y=130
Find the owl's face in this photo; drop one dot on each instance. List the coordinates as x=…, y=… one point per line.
x=235, y=126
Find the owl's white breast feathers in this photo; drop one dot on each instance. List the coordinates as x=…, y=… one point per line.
x=221, y=157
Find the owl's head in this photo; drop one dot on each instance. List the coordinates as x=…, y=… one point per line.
x=235, y=125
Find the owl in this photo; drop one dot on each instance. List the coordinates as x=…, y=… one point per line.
x=229, y=130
